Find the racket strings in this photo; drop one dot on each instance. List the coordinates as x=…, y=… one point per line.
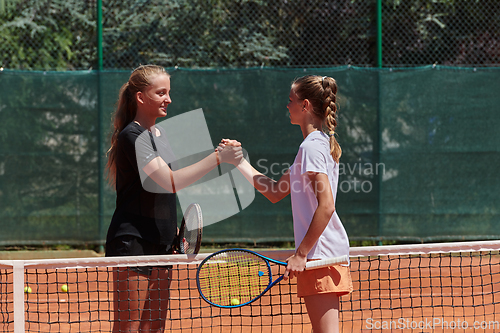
x=192, y=231
x=233, y=278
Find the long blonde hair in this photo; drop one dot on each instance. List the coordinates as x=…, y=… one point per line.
x=321, y=91
x=126, y=109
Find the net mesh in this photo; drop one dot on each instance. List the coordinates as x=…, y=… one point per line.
x=432, y=288
x=87, y=306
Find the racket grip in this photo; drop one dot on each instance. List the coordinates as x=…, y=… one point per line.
x=343, y=260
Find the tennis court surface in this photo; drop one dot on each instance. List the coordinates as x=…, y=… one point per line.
x=406, y=288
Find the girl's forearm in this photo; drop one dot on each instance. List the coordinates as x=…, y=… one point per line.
x=273, y=190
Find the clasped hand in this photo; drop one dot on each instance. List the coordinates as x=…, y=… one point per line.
x=230, y=151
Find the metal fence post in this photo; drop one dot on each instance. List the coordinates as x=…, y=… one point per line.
x=100, y=126
x=378, y=145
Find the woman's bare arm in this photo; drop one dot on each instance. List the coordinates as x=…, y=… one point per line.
x=173, y=181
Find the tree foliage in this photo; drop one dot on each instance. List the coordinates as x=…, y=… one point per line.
x=47, y=34
x=61, y=34
x=447, y=32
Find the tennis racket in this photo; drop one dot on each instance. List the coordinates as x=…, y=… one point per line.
x=235, y=277
x=189, y=239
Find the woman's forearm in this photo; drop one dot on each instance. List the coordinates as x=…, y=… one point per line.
x=174, y=181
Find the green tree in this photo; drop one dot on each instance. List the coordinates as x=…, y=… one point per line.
x=47, y=34
x=189, y=33
x=447, y=32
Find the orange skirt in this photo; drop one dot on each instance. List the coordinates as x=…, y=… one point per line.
x=332, y=279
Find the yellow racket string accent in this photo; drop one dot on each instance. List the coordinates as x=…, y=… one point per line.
x=233, y=276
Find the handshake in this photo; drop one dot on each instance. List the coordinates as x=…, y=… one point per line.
x=230, y=151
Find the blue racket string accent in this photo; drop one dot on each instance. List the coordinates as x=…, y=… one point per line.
x=233, y=278
x=236, y=277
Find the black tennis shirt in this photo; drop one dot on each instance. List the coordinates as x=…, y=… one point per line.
x=149, y=214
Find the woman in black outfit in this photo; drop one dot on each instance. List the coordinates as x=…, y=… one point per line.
x=145, y=220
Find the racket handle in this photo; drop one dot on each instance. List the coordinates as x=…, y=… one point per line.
x=343, y=260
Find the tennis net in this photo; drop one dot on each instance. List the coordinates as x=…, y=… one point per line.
x=424, y=288
x=87, y=305
x=445, y=287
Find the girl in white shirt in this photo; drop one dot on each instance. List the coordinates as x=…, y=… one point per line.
x=312, y=183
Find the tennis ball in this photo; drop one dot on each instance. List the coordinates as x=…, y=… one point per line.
x=235, y=301
x=27, y=290
x=64, y=288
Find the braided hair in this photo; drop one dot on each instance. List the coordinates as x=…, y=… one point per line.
x=322, y=93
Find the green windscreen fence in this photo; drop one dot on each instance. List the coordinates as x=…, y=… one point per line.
x=421, y=150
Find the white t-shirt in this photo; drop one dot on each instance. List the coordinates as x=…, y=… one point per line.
x=314, y=155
